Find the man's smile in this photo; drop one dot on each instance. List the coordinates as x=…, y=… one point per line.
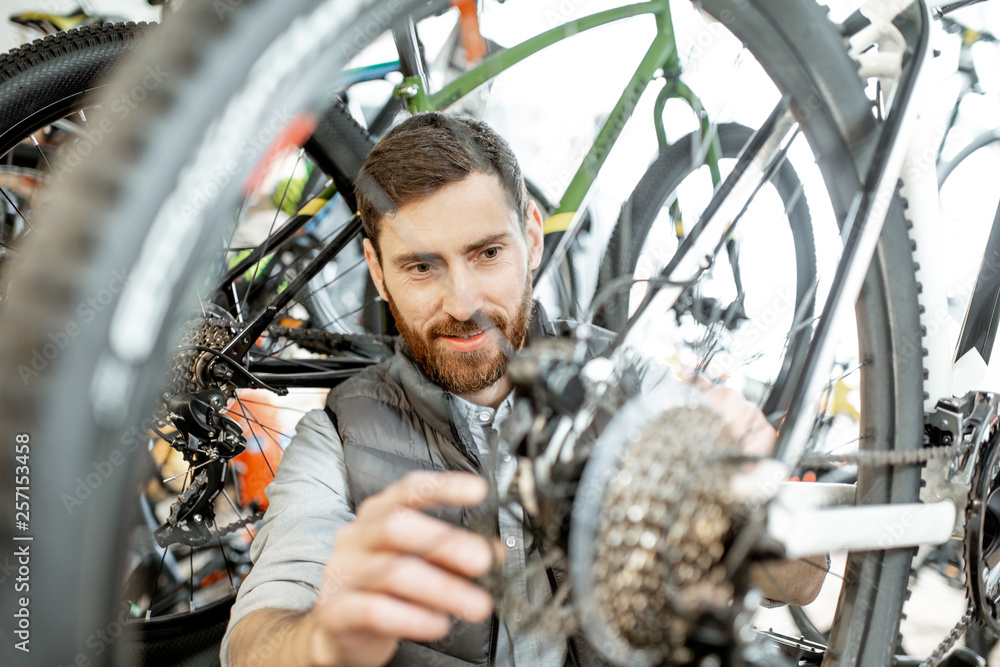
x=467, y=342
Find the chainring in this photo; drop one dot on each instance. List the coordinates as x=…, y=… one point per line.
x=982, y=543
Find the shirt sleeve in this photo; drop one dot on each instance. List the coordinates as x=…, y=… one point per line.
x=308, y=504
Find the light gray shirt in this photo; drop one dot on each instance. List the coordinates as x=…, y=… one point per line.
x=521, y=648
x=308, y=505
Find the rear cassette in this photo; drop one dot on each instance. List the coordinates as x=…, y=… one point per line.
x=652, y=519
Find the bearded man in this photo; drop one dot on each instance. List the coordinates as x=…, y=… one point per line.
x=366, y=556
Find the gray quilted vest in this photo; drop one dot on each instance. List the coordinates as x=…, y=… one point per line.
x=392, y=420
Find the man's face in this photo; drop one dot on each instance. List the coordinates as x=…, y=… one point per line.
x=456, y=272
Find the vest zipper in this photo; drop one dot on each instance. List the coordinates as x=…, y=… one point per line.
x=573, y=651
x=494, y=632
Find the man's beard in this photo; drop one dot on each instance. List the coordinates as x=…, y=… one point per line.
x=467, y=372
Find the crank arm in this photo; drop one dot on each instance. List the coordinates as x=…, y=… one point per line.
x=813, y=531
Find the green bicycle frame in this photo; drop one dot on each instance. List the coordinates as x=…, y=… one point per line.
x=660, y=60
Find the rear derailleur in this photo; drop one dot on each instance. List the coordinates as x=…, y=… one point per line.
x=208, y=440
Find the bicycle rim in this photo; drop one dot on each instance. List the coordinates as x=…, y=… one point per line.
x=841, y=130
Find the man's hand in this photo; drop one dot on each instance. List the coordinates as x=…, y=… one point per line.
x=796, y=582
x=396, y=573
x=746, y=422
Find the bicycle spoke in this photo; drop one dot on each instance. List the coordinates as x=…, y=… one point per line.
x=201, y=303
x=191, y=581
x=347, y=271
x=42, y=153
x=229, y=568
x=284, y=407
x=156, y=583
x=9, y=247
x=254, y=434
x=16, y=209
x=259, y=423
x=340, y=318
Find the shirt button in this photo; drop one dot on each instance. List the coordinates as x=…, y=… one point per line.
x=510, y=542
x=484, y=416
x=506, y=458
x=517, y=618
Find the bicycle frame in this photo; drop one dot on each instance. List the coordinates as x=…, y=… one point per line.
x=970, y=367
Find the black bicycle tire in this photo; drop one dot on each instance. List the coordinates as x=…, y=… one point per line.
x=847, y=131
x=674, y=163
x=51, y=77
x=870, y=606
x=886, y=308
x=77, y=609
x=44, y=81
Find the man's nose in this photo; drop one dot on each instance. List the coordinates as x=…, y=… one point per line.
x=463, y=295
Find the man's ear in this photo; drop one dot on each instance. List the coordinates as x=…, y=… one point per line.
x=535, y=233
x=375, y=269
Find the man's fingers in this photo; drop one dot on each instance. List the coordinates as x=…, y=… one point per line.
x=381, y=614
x=416, y=580
x=426, y=489
x=411, y=531
x=744, y=420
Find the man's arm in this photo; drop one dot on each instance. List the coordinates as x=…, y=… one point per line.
x=796, y=582
x=308, y=508
x=271, y=637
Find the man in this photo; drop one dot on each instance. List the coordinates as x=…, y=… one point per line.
x=382, y=478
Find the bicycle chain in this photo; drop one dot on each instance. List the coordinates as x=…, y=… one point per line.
x=909, y=457
x=886, y=458
x=334, y=340
x=935, y=658
x=253, y=517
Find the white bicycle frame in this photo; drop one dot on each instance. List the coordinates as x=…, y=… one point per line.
x=814, y=519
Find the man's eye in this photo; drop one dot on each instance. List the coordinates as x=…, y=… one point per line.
x=491, y=253
x=421, y=268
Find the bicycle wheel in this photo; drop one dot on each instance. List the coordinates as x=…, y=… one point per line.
x=49, y=78
x=871, y=599
x=145, y=205
x=162, y=624
x=45, y=88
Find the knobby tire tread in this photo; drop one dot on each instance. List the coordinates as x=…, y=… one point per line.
x=50, y=77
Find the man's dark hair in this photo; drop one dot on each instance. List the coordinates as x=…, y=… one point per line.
x=423, y=154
